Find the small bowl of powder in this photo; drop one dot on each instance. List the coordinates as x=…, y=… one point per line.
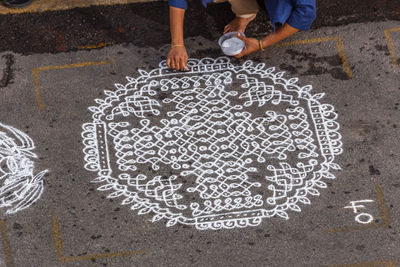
x=230, y=44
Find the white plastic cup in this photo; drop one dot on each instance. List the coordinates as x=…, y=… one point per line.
x=236, y=46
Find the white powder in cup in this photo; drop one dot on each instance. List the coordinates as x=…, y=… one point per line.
x=233, y=43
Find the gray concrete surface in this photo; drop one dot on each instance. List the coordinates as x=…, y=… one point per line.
x=75, y=219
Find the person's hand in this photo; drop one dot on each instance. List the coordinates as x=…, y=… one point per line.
x=250, y=45
x=177, y=58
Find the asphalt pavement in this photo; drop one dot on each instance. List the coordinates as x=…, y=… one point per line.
x=196, y=189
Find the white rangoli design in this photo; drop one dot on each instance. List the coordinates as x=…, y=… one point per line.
x=19, y=187
x=219, y=146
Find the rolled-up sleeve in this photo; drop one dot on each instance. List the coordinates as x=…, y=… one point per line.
x=178, y=3
x=303, y=14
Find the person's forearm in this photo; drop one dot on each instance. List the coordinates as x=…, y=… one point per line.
x=282, y=33
x=176, y=16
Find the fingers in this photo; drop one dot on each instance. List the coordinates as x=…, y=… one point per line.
x=175, y=64
x=177, y=59
x=244, y=39
x=241, y=37
x=227, y=28
x=169, y=62
x=179, y=63
x=186, y=60
x=241, y=54
x=182, y=64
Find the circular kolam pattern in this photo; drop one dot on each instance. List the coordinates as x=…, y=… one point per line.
x=218, y=146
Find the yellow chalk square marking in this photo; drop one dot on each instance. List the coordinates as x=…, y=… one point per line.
x=390, y=44
x=36, y=72
x=59, y=246
x=339, y=48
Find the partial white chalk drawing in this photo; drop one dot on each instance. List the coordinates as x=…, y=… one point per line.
x=219, y=146
x=363, y=217
x=19, y=187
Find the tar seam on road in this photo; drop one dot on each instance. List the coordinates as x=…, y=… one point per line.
x=390, y=44
x=36, y=71
x=383, y=212
x=59, y=246
x=6, y=244
x=8, y=71
x=339, y=47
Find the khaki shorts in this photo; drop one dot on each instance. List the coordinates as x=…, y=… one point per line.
x=242, y=8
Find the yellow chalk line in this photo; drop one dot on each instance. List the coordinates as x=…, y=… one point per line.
x=6, y=244
x=58, y=243
x=339, y=48
x=390, y=44
x=342, y=56
x=306, y=41
x=94, y=46
x=36, y=71
x=383, y=209
x=59, y=246
x=53, y=5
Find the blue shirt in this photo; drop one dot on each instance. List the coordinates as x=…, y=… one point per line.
x=299, y=14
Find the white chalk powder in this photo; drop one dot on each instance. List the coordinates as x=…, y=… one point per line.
x=232, y=43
